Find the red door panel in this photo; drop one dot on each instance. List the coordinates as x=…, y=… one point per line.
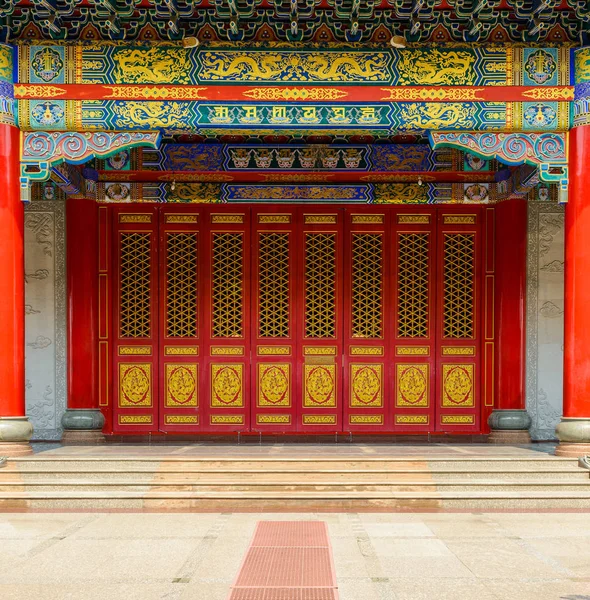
x=135, y=319
x=319, y=352
x=412, y=377
x=181, y=319
x=227, y=318
x=274, y=313
x=459, y=324
x=367, y=320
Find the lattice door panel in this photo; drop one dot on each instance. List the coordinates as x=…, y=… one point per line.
x=459, y=321
x=182, y=377
x=134, y=275
x=367, y=320
x=226, y=326
x=274, y=300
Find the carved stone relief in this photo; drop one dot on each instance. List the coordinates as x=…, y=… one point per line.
x=45, y=317
x=545, y=304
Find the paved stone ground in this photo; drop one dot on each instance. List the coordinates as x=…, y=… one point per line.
x=180, y=556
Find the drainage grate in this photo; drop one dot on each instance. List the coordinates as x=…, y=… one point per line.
x=287, y=560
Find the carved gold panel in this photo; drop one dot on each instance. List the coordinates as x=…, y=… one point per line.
x=135, y=218
x=412, y=351
x=319, y=419
x=273, y=419
x=227, y=385
x=135, y=419
x=181, y=419
x=274, y=218
x=135, y=350
x=227, y=419
x=181, y=385
x=319, y=350
x=458, y=351
x=457, y=419
x=413, y=219
x=274, y=350
x=366, y=385
x=368, y=219
x=320, y=219
x=274, y=384
x=135, y=384
x=459, y=219
x=182, y=218
x=457, y=385
x=411, y=419
x=319, y=386
x=412, y=383
x=366, y=350
x=181, y=350
x=217, y=219
x=227, y=351
x=365, y=419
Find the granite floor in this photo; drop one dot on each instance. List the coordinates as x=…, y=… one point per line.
x=178, y=556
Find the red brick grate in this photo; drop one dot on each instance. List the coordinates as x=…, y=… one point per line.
x=287, y=560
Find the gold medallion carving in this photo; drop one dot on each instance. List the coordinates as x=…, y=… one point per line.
x=319, y=386
x=412, y=385
x=458, y=385
x=366, y=385
x=274, y=385
x=227, y=385
x=135, y=383
x=181, y=385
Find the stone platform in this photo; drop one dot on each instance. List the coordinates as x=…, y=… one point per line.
x=359, y=477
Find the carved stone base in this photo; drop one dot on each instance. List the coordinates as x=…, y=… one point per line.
x=11, y=449
x=572, y=450
x=511, y=437
x=82, y=437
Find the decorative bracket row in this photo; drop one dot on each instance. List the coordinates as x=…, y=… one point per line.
x=42, y=151
x=546, y=151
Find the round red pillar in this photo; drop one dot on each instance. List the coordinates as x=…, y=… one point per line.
x=509, y=421
x=15, y=429
x=574, y=429
x=83, y=420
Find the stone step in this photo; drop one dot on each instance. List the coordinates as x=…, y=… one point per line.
x=290, y=487
x=237, y=475
x=307, y=501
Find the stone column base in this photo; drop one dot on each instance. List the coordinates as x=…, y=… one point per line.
x=82, y=426
x=82, y=437
x=15, y=433
x=514, y=437
x=574, y=437
x=509, y=427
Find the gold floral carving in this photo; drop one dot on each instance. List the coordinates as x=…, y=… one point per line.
x=127, y=218
x=459, y=219
x=273, y=419
x=281, y=93
x=366, y=350
x=227, y=351
x=457, y=419
x=227, y=419
x=226, y=219
x=38, y=91
x=265, y=219
x=413, y=219
x=181, y=350
x=368, y=219
x=449, y=94
x=175, y=218
x=412, y=350
x=319, y=386
x=274, y=350
x=564, y=94
x=135, y=383
x=365, y=419
x=458, y=385
x=274, y=384
x=458, y=351
x=135, y=350
x=320, y=219
x=181, y=385
x=141, y=92
x=319, y=350
x=411, y=419
x=181, y=419
x=227, y=385
x=412, y=385
x=319, y=419
x=366, y=385
x=135, y=419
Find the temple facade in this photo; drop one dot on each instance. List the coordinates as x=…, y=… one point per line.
x=264, y=219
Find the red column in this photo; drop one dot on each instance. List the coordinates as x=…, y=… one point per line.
x=83, y=420
x=15, y=429
x=509, y=421
x=574, y=429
